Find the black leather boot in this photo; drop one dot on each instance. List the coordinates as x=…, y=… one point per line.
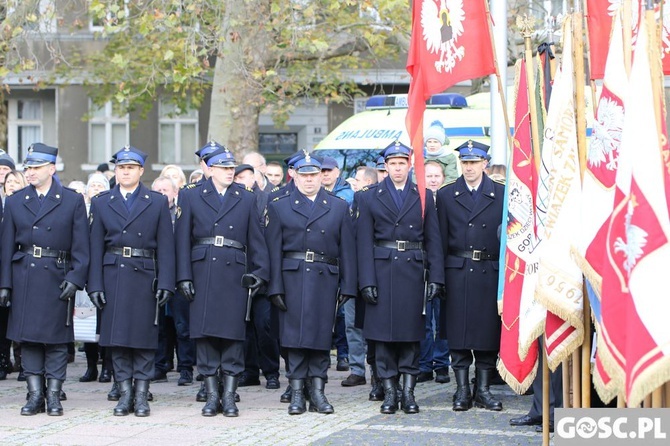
x=390, y=404
x=54, y=407
x=201, y=396
x=5, y=365
x=407, y=402
x=105, y=375
x=213, y=406
x=115, y=393
x=90, y=375
x=484, y=398
x=317, y=399
x=298, y=404
x=286, y=396
x=462, y=397
x=377, y=391
x=141, y=393
x=228, y=397
x=35, y=402
x=125, y=404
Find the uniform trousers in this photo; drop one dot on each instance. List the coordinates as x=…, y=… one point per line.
x=49, y=360
x=135, y=363
x=306, y=363
x=555, y=389
x=261, y=348
x=484, y=359
x=212, y=353
x=396, y=357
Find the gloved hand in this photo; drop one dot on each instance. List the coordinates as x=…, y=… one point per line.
x=186, y=289
x=369, y=295
x=98, y=299
x=5, y=297
x=435, y=290
x=163, y=296
x=69, y=290
x=278, y=301
x=254, y=283
x=342, y=299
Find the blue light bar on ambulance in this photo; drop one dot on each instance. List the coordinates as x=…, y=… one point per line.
x=442, y=100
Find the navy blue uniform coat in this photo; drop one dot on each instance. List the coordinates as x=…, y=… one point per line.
x=470, y=311
x=220, y=302
x=310, y=289
x=36, y=314
x=127, y=320
x=398, y=276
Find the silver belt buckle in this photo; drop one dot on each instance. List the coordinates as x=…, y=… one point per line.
x=37, y=252
x=476, y=255
x=309, y=256
x=127, y=251
x=218, y=240
x=401, y=245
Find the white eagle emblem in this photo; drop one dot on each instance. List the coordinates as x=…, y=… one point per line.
x=442, y=23
x=606, y=137
x=636, y=239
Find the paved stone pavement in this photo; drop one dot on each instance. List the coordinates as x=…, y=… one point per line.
x=175, y=418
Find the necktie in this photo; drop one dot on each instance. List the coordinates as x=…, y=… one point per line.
x=221, y=197
x=41, y=198
x=127, y=201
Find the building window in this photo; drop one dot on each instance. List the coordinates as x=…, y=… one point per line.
x=107, y=13
x=40, y=18
x=269, y=143
x=178, y=138
x=24, y=126
x=108, y=133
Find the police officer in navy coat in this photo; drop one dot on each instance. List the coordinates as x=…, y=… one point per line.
x=312, y=255
x=222, y=259
x=407, y=268
x=131, y=276
x=44, y=260
x=470, y=214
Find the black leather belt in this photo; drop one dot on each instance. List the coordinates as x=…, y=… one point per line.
x=220, y=240
x=39, y=252
x=475, y=254
x=127, y=251
x=400, y=245
x=311, y=256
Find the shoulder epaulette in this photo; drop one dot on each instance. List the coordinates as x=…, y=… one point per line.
x=275, y=189
x=448, y=183
x=69, y=188
x=368, y=187
x=280, y=197
x=248, y=189
x=498, y=181
x=190, y=185
x=100, y=194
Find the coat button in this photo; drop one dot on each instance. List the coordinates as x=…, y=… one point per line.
x=32, y=265
x=470, y=246
x=230, y=227
x=216, y=224
x=136, y=269
x=397, y=224
x=307, y=269
x=323, y=231
x=48, y=228
x=484, y=225
x=46, y=267
x=309, y=230
x=408, y=259
x=411, y=226
x=320, y=272
x=124, y=231
x=122, y=265
x=471, y=270
x=228, y=263
x=35, y=227
x=213, y=259
x=395, y=258
x=470, y=224
x=139, y=234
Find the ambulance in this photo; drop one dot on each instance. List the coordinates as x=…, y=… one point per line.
x=359, y=139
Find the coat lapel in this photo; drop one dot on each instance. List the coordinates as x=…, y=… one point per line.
x=52, y=199
x=462, y=195
x=117, y=203
x=486, y=197
x=142, y=202
x=299, y=204
x=230, y=199
x=410, y=201
x=210, y=195
x=31, y=202
x=321, y=205
x=384, y=196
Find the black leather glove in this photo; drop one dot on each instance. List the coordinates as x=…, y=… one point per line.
x=98, y=299
x=278, y=301
x=369, y=295
x=5, y=297
x=186, y=289
x=254, y=283
x=163, y=296
x=69, y=290
x=342, y=299
x=435, y=290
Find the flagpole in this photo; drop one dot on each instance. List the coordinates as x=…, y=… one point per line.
x=592, y=83
x=501, y=91
x=526, y=29
x=655, y=64
x=627, y=35
x=580, y=114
